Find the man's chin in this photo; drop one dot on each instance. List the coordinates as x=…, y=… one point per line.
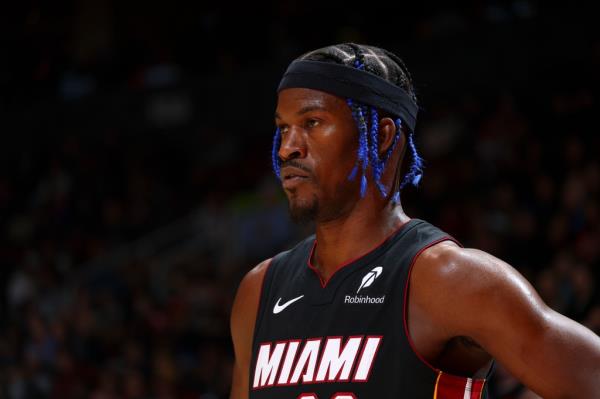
x=304, y=213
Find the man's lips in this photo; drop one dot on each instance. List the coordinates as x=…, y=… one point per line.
x=292, y=182
x=290, y=172
x=292, y=176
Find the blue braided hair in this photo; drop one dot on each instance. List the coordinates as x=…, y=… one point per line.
x=368, y=148
x=367, y=118
x=275, y=153
x=415, y=171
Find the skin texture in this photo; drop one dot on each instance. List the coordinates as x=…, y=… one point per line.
x=465, y=306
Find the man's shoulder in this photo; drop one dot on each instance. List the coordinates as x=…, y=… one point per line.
x=252, y=281
x=460, y=289
x=447, y=265
x=441, y=253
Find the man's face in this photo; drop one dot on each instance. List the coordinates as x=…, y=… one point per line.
x=319, y=140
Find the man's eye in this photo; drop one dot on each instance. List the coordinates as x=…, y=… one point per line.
x=282, y=129
x=312, y=123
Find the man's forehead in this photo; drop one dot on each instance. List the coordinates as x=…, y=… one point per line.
x=298, y=99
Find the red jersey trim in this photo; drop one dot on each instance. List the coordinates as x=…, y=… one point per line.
x=340, y=267
x=452, y=387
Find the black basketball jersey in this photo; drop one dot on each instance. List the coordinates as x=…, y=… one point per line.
x=346, y=338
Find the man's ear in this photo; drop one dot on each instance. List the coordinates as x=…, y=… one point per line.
x=387, y=132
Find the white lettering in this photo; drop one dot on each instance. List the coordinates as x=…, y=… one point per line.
x=337, y=362
x=366, y=359
x=288, y=362
x=307, y=361
x=284, y=363
x=363, y=299
x=267, y=364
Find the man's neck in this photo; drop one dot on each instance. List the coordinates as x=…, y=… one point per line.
x=353, y=236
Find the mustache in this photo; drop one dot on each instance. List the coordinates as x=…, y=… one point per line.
x=295, y=164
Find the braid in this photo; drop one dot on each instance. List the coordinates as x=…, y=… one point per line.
x=390, y=67
x=358, y=113
x=359, y=58
x=377, y=164
x=275, y=153
x=415, y=171
x=388, y=153
x=403, y=77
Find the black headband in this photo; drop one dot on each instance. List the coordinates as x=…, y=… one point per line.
x=348, y=82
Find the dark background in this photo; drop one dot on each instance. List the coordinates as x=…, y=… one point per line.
x=135, y=182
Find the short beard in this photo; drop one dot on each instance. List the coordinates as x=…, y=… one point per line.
x=305, y=213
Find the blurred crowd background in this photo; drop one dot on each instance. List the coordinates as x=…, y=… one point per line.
x=136, y=191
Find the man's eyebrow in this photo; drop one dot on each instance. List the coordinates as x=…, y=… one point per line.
x=306, y=109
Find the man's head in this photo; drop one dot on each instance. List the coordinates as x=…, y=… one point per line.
x=340, y=114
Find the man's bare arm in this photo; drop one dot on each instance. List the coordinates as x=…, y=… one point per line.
x=471, y=293
x=243, y=317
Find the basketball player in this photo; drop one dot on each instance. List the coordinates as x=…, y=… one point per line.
x=377, y=305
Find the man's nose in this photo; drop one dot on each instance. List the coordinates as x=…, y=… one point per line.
x=292, y=145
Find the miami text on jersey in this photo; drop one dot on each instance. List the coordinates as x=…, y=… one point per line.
x=320, y=360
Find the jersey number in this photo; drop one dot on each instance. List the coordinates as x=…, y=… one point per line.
x=339, y=395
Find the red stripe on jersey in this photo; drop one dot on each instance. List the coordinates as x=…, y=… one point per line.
x=477, y=389
x=453, y=387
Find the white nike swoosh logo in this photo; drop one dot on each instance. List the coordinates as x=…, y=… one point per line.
x=279, y=308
